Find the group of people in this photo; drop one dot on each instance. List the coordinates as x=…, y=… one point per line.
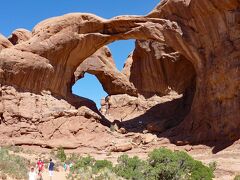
x=36, y=173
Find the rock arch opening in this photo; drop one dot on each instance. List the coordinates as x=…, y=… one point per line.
x=89, y=87
x=102, y=67
x=165, y=81
x=120, y=51
x=154, y=90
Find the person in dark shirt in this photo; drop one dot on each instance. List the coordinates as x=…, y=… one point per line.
x=50, y=169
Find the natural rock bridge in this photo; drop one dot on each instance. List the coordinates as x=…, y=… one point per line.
x=188, y=47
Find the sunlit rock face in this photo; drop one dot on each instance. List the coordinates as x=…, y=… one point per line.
x=184, y=73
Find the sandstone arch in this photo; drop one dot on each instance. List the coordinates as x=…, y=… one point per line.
x=203, y=32
x=64, y=52
x=101, y=64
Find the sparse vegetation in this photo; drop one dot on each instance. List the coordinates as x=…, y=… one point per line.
x=15, y=149
x=237, y=177
x=131, y=168
x=73, y=158
x=213, y=165
x=112, y=128
x=161, y=164
x=12, y=165
x=61, y=154
x=89, y=168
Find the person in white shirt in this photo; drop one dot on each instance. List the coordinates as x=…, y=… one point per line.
x=32, y=174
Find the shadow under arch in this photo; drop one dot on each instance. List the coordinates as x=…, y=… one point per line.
x=155, y=74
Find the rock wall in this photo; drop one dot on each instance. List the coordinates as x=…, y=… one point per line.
x=156, y=69
x=210, y=41
x=43, y=120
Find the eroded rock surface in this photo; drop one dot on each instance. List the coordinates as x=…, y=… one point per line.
x=4, y=42
x=103, y=67
x=20, y=35
x=187, y=51
x=156, y=69
x=210, y=41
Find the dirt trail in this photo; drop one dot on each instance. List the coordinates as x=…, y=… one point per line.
x=61, y=175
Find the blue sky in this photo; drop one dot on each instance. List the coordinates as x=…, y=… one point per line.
x=27, y=13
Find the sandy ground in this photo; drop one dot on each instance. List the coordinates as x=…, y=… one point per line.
x=56, y=176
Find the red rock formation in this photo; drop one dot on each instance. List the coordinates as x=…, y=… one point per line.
x=4, y=42
x=20, y=35
x=156, y=69
x=182, y=45
x=210, y=41
x=103, y=67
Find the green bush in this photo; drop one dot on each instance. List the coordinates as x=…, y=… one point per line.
x=89, y=168
x=102, y=164
x=73, y=158
x=237, y=177
x=83, y=163
x=61, y=154
x=161, y=164
x=167, y=164
x=131, y=168
x=12, y=165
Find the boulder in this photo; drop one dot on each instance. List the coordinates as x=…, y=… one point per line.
x=122, y=147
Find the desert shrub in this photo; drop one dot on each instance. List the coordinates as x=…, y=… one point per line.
x=131, y=167
x=15, y=149
x=213, y=165
x=73, y=158
x=102, y=164
x=52, y=153
x=167, y=164
x=106, y=174
x=80, y=173
x=12, y=165
x=88, y=173
x=83, y=163
x=161, y=164
x=237, y=177
x=89, y=168
x=61, y=154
